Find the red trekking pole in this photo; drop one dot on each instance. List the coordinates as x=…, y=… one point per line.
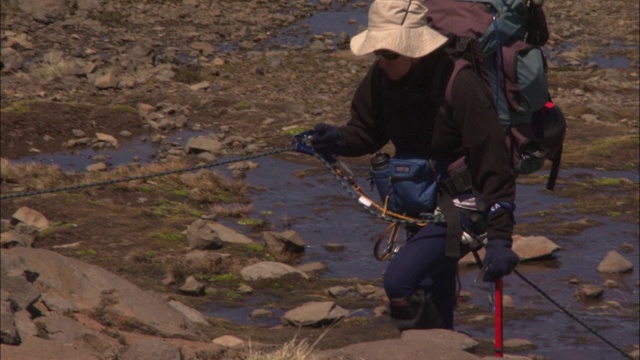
x=498, y=318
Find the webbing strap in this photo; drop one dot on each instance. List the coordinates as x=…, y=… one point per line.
x=454, y=224
x=458, y=182
x=555, y=169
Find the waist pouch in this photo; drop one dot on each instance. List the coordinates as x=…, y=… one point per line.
x=407, y=185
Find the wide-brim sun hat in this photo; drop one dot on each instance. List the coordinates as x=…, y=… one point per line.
x=399, y=26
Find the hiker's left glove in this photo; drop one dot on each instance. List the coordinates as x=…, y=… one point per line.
x=326, y=140
x=499, y=259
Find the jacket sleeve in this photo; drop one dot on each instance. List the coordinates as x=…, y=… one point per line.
x=363, y=133
x=486, y=155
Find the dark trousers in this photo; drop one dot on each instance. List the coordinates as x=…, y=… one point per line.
x=421, y=264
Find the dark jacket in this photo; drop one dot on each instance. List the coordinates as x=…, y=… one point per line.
x=412, y=114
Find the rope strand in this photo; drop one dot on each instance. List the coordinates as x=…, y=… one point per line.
x=546, y=296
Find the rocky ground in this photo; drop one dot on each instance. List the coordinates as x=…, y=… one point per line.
x=97, y=74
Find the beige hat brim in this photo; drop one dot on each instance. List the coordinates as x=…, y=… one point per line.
x=411, y=42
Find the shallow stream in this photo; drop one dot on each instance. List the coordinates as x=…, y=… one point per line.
x=320, y=211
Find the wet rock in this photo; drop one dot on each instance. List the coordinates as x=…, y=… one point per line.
x=412, y=344
x=589, y=292
x=44, y=11
x=23, y=294
x=614, y=263
x=97, y=167
x=11, y=238
x=198, y=144
x=192, y=286
x=145, y=109
x=334, y=247
x=315, y=314
x=287, y=241
x=108, y=80
x=245, y=289
x=19, y=42
x=340, y=291
x=32, y=217
x=611, y=284
x=11, y=60
x=206, y=261
x=152, y=349
x=202, y=235
x=203, y=85
x=311, y=267
x=78, y=133
x=533, y=247
x=261, y=314
x=67, y=284
x=8, y=330
x=76, y=142
x=228, y=341
x=269, y=270
x=518, y=345
x=109, y=139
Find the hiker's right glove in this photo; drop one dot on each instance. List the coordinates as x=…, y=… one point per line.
x=326, y=140
x=499, y=259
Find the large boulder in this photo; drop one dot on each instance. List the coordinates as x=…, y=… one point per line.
x=67, y=284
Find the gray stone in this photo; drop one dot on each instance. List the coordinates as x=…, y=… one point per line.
x=269, y=270
x=152, y=349
x=31, y=217
x=315, y=313
x=614, y=263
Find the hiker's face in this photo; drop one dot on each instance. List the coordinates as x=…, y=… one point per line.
x=395, y=68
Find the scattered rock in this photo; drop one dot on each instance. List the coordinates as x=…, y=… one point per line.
x=269, y=270
x=614, y=263
x=315, y=314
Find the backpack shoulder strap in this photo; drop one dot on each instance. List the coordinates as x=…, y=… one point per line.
x=465, y=53
x=458, y=65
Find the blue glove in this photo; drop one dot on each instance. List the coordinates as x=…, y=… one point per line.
x=326, y=140
x=499, y=259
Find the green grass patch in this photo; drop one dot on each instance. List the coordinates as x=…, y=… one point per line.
x=242, y=105
x=607, y=182
x=86, y=252
x=251, y=222
x=265, y=213
x=20, y=106
x=294, y=130
x=171, y=237
x=108, y=18
x=125, y=108
x=182, y=192
x=173, y=208
x=255, y=247
x=226, y=278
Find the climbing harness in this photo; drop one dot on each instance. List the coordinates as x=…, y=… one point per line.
x=301, y=143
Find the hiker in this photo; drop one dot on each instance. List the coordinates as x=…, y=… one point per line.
x=400, y=100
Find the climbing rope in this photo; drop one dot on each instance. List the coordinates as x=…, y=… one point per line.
x=572, y=316
x=141, y=177
x=351, y=187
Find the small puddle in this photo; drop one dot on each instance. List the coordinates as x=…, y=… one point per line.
x=140, y=150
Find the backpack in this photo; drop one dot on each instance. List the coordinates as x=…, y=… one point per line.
x=501, y=40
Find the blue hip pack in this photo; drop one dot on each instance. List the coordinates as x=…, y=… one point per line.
x=406, y=184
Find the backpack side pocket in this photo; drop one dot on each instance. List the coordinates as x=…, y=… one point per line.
x=413, y=186
x=525, y=81
x=381, y=180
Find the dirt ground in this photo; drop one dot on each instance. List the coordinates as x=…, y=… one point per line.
x=302, y=89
